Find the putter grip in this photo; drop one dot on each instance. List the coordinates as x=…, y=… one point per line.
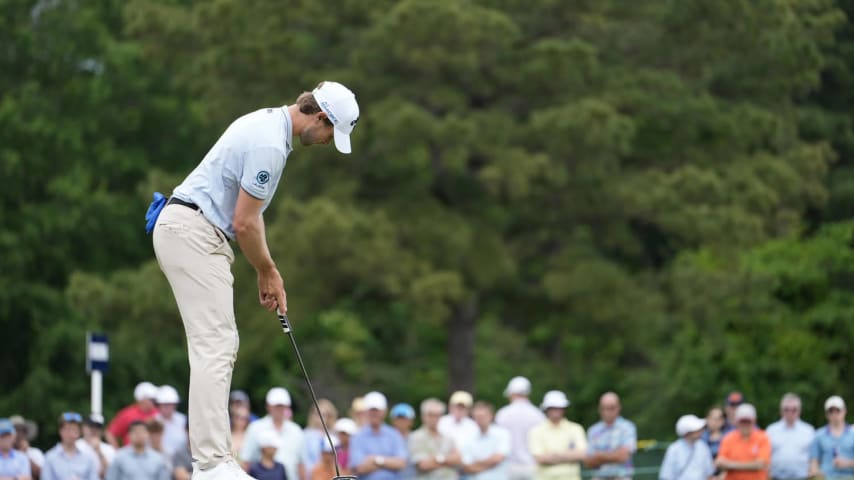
x=286, y=325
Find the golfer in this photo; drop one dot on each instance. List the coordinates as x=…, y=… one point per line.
x=220, y=201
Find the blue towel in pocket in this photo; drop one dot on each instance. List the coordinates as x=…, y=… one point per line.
x=153, y=212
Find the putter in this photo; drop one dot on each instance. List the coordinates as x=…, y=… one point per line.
x=286, y=327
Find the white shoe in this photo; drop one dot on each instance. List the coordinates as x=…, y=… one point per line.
x=227, y=470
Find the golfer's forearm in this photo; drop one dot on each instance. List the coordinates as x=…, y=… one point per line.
x=251, y=237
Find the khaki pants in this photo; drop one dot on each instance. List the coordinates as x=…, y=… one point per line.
x=196, y=258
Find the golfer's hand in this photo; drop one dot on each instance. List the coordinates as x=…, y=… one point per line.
x=271, y=290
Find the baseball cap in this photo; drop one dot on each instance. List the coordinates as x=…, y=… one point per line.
x=461, y=397
x=689, y=423
x=346, y=425
x=375, y=400
x=745, y=411
x=554, y=399
x=404, y=410
x=278, y=396
x=735, y=398
x=95, y=419
x=339, y=104
x=6, y=427
x=70, y=417
x=834, y=402
x=238, y=396
x=145, y=390
x=269, y=438
x=30, y=428
x=167, y=394
x=518, y=386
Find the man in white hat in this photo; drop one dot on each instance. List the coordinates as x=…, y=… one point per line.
x=457, y=424
x=518, y=418
x=832, y=450
x=223, y=200
x=145, y=393
x=277, y=422
x=745, y=452
x=557, y=444
x=687, y=458
x=174, y=422
x=377, y=451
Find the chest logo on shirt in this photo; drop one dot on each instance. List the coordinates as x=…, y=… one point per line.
x=262, y=177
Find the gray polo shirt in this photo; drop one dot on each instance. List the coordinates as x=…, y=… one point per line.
x=130, y=465
x=251, y=155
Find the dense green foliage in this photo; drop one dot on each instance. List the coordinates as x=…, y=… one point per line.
x=651, y=197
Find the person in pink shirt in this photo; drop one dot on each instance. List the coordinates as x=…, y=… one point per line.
x=142, y=410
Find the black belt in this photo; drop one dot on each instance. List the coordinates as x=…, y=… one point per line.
x=178, y=201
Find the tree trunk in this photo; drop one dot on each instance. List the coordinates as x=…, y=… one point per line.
x=461, y=339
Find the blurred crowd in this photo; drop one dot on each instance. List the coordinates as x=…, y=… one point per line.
x=458, y=439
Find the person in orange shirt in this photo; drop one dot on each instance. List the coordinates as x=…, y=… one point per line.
x=745, y=452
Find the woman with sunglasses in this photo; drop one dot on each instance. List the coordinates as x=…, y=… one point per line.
x=66, y=461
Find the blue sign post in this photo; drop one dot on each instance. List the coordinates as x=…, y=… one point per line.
x=97, y=360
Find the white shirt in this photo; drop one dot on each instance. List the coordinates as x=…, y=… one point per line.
x=484, y=445
x=687, y=461
x=291, y=449
x=790, y=448
x=174, y=433
x=461, y=432
x=251, y=155
x=107, y=450
x=519, y=417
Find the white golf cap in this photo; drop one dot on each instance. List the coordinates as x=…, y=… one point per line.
x=269, y=438
x=689, y=423
x=518, y=386
x=461, y=397
x=554, y=399
x=145, y=390
x=834, y=402
x=278, y=396
x=327, y=448
x=745, y=411
x=167, y=394
x=346, y=425
x=339, y=104
x=375, y=401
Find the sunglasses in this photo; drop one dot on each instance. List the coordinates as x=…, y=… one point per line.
x=72, y=417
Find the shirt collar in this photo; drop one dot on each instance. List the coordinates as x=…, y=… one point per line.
x=289, y=129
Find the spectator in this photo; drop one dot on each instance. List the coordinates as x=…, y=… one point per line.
x=790, y=439
x=155, y=440
x=174, y=422
x=290, y=435
x=611, y=441
x=92, y=442
x=14, y=464
x=25, y=432
x=557, y=444
x=832, y=449
x=745, y=452
x=402, y=418
x=358, y=412
x=687, y=458
x=715, y=430
x=345, y=428
x=65, y=461
x=731, y=403
x=182, y=463
x=314, y=437
x=434, y=455
x=484, y=458
x=377, y=451
x=518, y=418
x=137, y=461
x=325, y=468
x=239, y=421
x=266, y=467
x=238, y=399
x=142, y=410
x=457, y=424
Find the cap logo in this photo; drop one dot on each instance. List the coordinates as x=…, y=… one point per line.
x=328, y=111
x=353, y=123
